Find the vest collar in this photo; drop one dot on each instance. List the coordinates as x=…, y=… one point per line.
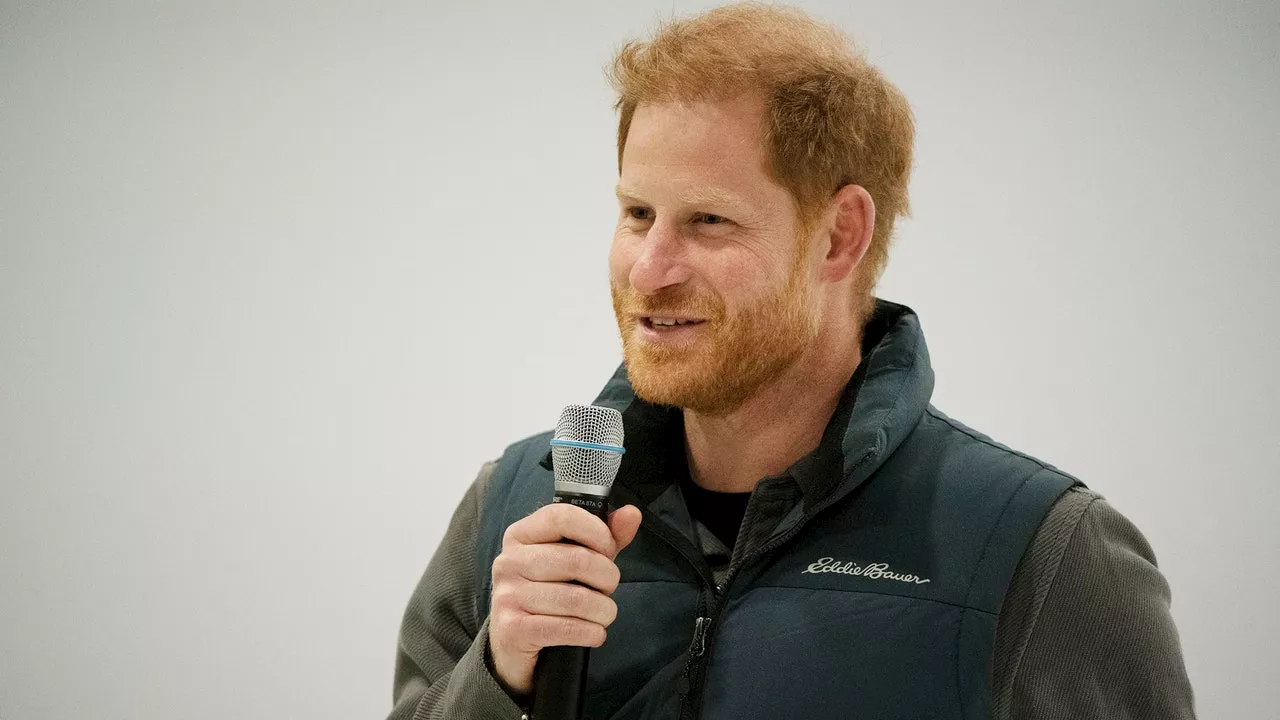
x=880, y=406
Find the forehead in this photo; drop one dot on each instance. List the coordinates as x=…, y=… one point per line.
x=699, y=151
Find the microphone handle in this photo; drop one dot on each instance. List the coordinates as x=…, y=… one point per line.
x=560, y=675
x=559, y=683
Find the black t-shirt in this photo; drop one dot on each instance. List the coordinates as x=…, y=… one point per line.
x=720, y=512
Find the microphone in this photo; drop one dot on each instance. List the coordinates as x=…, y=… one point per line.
x=586, y=452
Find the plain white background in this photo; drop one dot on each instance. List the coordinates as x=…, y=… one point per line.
x=276, y=278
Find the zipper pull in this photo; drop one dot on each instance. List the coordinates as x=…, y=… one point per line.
x=699, y=644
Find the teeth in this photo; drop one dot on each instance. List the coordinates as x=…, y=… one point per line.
x=666, y=322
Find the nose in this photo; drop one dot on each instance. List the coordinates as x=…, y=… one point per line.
x=661, y=262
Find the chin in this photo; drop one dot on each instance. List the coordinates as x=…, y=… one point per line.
x=683, y=385
x=663, y=381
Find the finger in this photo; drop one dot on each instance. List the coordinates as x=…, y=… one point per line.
x=567, y=600
x=554, y=630
x=623, y=525
x=557, y=562
x=562, y=521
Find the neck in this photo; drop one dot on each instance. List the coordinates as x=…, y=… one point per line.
x=778, y=425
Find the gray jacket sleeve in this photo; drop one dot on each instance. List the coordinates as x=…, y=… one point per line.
x=441, y=670
x=1085, y=630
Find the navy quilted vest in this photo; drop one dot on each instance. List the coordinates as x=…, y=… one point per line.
x=876, y=600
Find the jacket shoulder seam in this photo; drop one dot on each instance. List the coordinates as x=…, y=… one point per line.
x=970, y=433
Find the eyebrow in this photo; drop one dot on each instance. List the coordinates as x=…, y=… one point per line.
x=701, y=196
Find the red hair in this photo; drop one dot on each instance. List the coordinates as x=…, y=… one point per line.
x=831, y=118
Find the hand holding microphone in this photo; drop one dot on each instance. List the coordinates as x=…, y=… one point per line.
x=535, y=601
x=553, y=579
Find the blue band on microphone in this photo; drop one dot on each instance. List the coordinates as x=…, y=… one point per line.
x=588, y=446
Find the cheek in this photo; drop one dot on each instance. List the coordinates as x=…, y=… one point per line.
x=744, y=275
x=620, y=261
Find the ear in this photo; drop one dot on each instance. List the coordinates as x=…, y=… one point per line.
x=849, y=232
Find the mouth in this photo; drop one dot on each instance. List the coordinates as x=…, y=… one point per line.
x=669, y=331
x=659, y=323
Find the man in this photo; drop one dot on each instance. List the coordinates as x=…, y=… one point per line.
x=801, y=534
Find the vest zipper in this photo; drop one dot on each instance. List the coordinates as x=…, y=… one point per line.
x=691, y=680
x=703, y=637
x=706, y=598
x=704, y=641
x=699, y=644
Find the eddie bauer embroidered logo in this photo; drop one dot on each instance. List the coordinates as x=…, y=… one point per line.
x=871, y=571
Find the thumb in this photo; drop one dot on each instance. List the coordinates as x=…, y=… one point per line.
x=623, y=524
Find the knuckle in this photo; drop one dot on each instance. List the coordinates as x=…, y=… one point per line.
x=515, y=631
x=504, y=597
x=571, y=521
x=527, y=560
x=576, y=601
x=509, y=565
x=534, y=562
x=500, y=594
x=552, y=514
x=571, y=630
x=502, y=626
x=567, y=520
x=556, y=631
x=509, y=536
x=501, y=566
x=579, y=560
x=526, y=628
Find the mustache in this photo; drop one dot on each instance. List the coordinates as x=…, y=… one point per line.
x=671, y=301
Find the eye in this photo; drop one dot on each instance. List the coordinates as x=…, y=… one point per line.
x=640, y=213
x=711, y=219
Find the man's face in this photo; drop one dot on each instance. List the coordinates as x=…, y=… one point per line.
x=706, y=238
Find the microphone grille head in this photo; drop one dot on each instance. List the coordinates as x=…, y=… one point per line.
x=587, y=447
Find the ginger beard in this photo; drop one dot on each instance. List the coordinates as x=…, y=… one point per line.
x=737, y=352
